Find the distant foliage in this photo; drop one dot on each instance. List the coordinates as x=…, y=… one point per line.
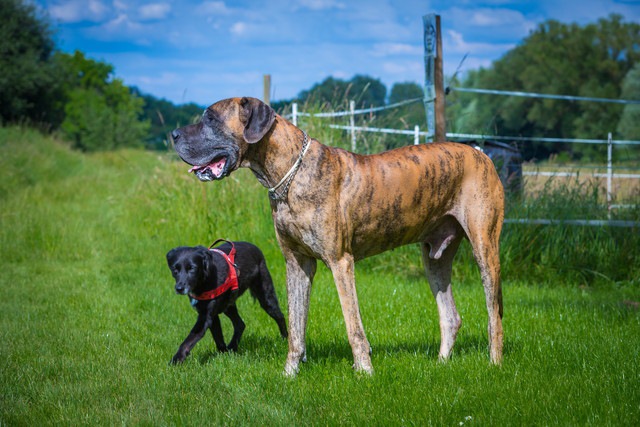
x=556, y=58
x=28, y=80
x=164, y=116
x=95, y=110
x=629, y=125
x=101, y=113
x=364, y=90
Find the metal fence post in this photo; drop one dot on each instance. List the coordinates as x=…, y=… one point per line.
x=294, y=113
x=609, y=172
x=429, y=38
x=416, y=135
x=352, y=122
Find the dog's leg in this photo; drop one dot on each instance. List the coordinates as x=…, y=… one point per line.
x=197, y=332
x=438, y=272
x=216, y=332
x=238, y=327
x=484, y=237
x=265, y=293
x=487, y=256
x=343, y=275
x=300, y=272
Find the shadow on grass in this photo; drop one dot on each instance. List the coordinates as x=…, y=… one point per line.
x=261, y=346
x=274, y=347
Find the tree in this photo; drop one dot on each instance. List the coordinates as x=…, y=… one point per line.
x=28, y=81
x=409, y=115
x=562, y=59
x=365, y=90
x=101, y=113
x=405, y=91
x=629, y=124
x=165, y=116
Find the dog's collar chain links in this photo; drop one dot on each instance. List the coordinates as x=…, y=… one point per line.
x=285, y=182
x=231, y=283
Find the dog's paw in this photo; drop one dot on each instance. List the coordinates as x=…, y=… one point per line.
x=177, y=359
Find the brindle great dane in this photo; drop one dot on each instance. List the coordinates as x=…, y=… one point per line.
x=340, y=207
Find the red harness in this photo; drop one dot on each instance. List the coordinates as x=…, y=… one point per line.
x=231, y=283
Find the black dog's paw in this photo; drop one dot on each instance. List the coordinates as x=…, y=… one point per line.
x=177, y=359
x=232, y=348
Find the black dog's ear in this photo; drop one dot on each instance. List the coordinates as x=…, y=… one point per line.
x=205, y=255
x=207, y=262
x=171, y=255
x=174, y=254
x=257, y=118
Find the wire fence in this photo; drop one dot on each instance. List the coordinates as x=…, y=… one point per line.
x=418, y=134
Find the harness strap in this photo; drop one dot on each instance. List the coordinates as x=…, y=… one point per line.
x=231, y=282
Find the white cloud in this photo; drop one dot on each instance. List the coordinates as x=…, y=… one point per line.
x=387, y=49
x=454, y=42
x=122, y=21
x=321, y=4
x=154, y=11
x=120, y=5
x=483, y=22
x=403, y=70
x=161, y=79
x=239, y=28
x=214, y=8
x=79, y=10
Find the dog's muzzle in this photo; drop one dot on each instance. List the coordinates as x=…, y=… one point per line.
x=182, y=289
x=216, y=169
x=211, y=158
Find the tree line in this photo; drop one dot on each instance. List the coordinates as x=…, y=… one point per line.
x=73, y=94
x=95, y=110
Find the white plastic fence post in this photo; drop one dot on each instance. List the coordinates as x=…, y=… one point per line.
x=352, y=122
x=609, y=172
x=294, y=113
x=416, y=135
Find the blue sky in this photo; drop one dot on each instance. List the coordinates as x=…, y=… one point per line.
x=202, y=51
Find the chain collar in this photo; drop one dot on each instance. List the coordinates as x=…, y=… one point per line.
x=285, y=182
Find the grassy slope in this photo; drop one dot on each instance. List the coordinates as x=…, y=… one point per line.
x=89, y=320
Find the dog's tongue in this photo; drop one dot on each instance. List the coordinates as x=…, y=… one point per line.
x=211, y=171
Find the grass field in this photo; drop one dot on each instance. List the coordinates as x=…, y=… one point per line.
x=90, y=320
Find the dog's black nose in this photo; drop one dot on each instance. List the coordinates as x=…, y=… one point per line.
x=175, y=134
x=180, y=289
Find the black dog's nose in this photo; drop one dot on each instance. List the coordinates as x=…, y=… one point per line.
x=181, y=289
x=175, y=134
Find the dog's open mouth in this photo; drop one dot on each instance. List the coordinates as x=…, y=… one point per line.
x=214, y=170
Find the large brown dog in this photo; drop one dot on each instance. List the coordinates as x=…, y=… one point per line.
x=340, y=207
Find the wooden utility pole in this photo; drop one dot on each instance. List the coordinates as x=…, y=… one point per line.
x=266, y=94
x=434, y=79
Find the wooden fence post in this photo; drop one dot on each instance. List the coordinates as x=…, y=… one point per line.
x=266, y=94
x=434, y=81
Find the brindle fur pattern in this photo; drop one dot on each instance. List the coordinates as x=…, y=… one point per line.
x=342, y=207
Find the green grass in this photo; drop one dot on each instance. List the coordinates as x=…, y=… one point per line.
x=90, y=321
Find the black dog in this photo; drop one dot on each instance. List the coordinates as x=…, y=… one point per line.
x=214, y=280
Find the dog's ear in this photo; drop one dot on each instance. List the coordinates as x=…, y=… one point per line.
x=257, y=118
x=171, y=255
x=207, y=260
